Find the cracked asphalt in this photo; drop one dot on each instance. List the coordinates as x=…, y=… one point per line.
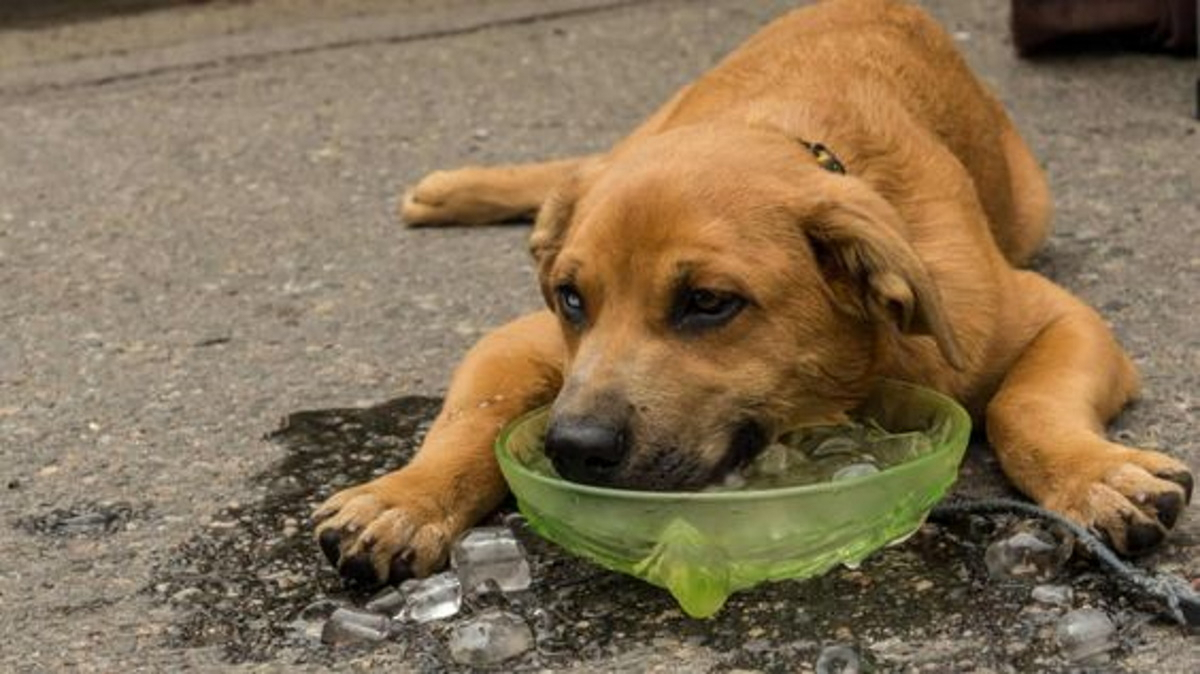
x=197, y=239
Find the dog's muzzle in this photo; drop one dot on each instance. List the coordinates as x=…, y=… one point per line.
x=586, y=450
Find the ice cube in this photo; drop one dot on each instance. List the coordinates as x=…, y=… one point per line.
x=838, y=659
x=835, y=445
x=432, y=598
x=352, y=625
x=1031, y=552
x=773, y=460
x=1054, y=595
x=490, y=637
x=893, y=450
x=311, y=619
x=388, y=601
x=490, y=553
x=854, y=470
x=1086, y=634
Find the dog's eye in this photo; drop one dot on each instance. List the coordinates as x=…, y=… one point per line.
x=700, y=308
x=570, y=303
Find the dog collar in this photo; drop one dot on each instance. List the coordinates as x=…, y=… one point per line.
x=825, y=159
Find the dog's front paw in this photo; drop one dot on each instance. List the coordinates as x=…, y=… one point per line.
x=1131, y=496
x=387, y=530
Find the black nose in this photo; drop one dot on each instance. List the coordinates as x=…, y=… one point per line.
x=586, y=451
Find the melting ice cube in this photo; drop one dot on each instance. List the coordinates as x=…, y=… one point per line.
x=490, y=637
x=432, y=598
x=490, y=553
x=1086, y=635
x=351, y=625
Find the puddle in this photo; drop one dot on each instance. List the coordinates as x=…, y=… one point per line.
x=243, y=581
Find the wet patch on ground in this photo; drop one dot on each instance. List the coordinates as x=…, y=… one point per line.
x=255, y=584
x=87, y=518
x=243, y=581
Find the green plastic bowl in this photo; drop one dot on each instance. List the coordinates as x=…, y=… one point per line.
x=703, y=546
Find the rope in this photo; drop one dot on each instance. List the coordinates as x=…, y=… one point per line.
x=1181, y=602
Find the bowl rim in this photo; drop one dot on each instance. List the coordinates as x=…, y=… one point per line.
x=957, y=414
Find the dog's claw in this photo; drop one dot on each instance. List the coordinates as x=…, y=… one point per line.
x=1141, y=537
x=1183, y=479
x=331, y=544
x=359, y=569
x=1167, y=507
x=400, y=569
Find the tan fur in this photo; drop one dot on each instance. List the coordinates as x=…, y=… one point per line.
x=905, y=267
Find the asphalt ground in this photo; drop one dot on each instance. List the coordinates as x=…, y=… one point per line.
x=197, y=239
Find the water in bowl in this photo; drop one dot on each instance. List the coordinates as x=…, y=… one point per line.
x=818, y=454
x=810, y=455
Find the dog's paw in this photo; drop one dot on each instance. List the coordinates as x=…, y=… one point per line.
x=385, y=531
x=469, y=196
x=1132, y=497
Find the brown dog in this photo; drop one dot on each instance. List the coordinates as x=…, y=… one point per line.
x=720, y=275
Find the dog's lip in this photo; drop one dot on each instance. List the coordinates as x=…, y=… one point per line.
x=748, y=439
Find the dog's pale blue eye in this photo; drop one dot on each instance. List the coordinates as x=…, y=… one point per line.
x=570, y=302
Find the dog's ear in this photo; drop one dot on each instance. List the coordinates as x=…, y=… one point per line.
x=550, y=228
x=873, y=272
x=551, y=224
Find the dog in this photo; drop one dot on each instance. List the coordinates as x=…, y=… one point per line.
x=837, y=201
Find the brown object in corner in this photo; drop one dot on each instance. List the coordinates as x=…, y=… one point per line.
x=1056, y=25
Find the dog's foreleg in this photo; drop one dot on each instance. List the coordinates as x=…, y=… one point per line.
x=479, y=195
x=401, y=524
x=1047, y=425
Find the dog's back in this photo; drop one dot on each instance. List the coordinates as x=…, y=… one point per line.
x=883, y=84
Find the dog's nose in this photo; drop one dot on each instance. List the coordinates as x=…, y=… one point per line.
x=586, y=451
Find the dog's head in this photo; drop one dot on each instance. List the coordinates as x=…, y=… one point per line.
x=713, y=291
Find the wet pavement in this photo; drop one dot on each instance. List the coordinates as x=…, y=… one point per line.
x=251, y=585
x=197, y=245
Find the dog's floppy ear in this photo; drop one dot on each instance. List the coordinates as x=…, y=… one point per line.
x=550, y=228
x=875, y=274
x=551, y=224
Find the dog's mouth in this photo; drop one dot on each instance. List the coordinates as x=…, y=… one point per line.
x=669, y=468
x=748, y=440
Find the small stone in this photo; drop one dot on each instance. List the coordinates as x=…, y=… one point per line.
x=490, y=637
x=86, y=523
x=185, y=595
x=838, y=659
x=1054, y=595
x=1086, y=635
x=491, y=553
x=351, y=625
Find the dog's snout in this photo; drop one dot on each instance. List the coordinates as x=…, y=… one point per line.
x=587, y=451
